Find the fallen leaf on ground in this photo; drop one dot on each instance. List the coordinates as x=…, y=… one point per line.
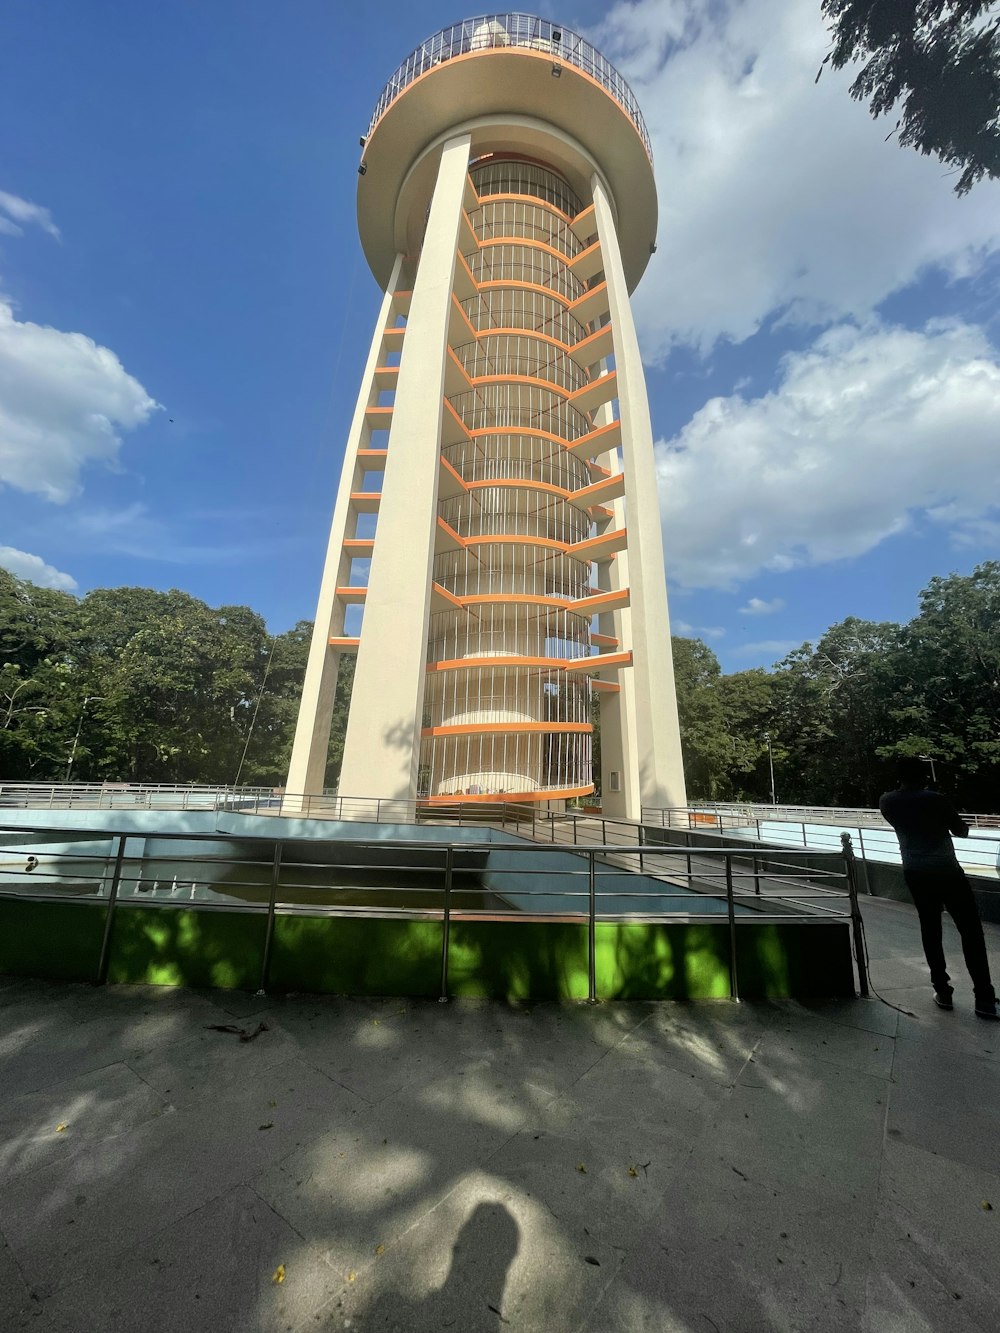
x=279, y=1274
x=60, y=1129
x=269, y=1125
x=380, y=1249
x=589, y=1259
x=581, y=1168
x=632, y=1171
x=986, y=1206
x=351, y=1277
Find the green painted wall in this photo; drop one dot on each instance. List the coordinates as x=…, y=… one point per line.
x=177, y=946
x=513, y=960
x=356, y=955
x=58, y=940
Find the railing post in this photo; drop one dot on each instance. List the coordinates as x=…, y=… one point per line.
x=592, y=930
x=449, y=870
x=574, y=830
x=850, y=868
x=756, y=874
x=378, y=810
x=102, y=964
x=687, y=855
x=642, y=843
x=265, y=966
x=734, y=984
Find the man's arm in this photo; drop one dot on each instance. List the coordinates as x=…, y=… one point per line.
x=956, y=824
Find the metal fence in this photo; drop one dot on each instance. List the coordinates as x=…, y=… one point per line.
x=442, y=878
x=732, y=814
x=525, y=31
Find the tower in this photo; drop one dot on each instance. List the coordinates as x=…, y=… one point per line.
x=495, y=556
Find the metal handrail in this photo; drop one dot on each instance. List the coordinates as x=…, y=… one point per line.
x=524, y=31
x=826, y=814
x=445, y=855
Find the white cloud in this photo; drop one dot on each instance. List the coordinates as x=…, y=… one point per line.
x=35, y=570
x=757, y=606
x=867, y=429
x=21, y=211
x=63, y=399
x=770, y=648
x=777, y=195
x=697, y=631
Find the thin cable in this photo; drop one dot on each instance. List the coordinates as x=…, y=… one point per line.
x=256, y=710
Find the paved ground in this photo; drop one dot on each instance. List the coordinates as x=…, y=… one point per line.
x=410, y=1166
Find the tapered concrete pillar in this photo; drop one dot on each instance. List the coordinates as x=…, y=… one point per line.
x=307, y=769
x=660, y=762
x=382, y=747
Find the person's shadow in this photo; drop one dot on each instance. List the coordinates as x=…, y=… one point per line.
x=471, y=1297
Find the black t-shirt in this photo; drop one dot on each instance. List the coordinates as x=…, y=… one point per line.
x=924, y=822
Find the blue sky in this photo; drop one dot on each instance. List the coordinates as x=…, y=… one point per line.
x=185, y=311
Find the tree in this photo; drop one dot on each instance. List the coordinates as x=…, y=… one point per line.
x=175, y=683
x=40, y=684
x=834, y=714
x=948, y=704
x=704, y=740
x=939, y=59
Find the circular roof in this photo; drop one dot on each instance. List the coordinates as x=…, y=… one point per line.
x=516, y=84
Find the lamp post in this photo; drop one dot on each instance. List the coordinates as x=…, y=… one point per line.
x=770, y=763
x=88, y=699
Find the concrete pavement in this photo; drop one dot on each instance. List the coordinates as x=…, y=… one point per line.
x=403, y=1165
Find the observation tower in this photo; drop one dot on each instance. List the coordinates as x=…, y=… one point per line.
x=495, y=557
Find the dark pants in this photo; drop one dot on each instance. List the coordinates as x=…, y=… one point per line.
x=937, y=891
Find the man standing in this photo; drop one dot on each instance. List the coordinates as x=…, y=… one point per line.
x=924, y=822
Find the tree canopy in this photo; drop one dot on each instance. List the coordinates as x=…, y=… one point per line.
x=938, y=61
x=130, y=684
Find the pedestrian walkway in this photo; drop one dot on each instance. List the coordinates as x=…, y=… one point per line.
x=403, y=1165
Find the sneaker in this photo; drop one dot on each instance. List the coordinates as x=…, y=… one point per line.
x=943, y=999
x=988, y=1011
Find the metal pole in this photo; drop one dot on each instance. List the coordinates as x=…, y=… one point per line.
x=756, y=874
x=687, y=843
x=642, y=843
x=102, y=964
x=265, y=966
x=850, y=869
x=574, y=830
x=734, y=984
x=592, y=932
x=449, y=867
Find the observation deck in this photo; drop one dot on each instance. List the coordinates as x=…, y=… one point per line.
x=546, y=93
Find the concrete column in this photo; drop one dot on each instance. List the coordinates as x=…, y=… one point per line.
x=382, y=747
x=619, y=741
x=661, y=768
x=307, y=770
